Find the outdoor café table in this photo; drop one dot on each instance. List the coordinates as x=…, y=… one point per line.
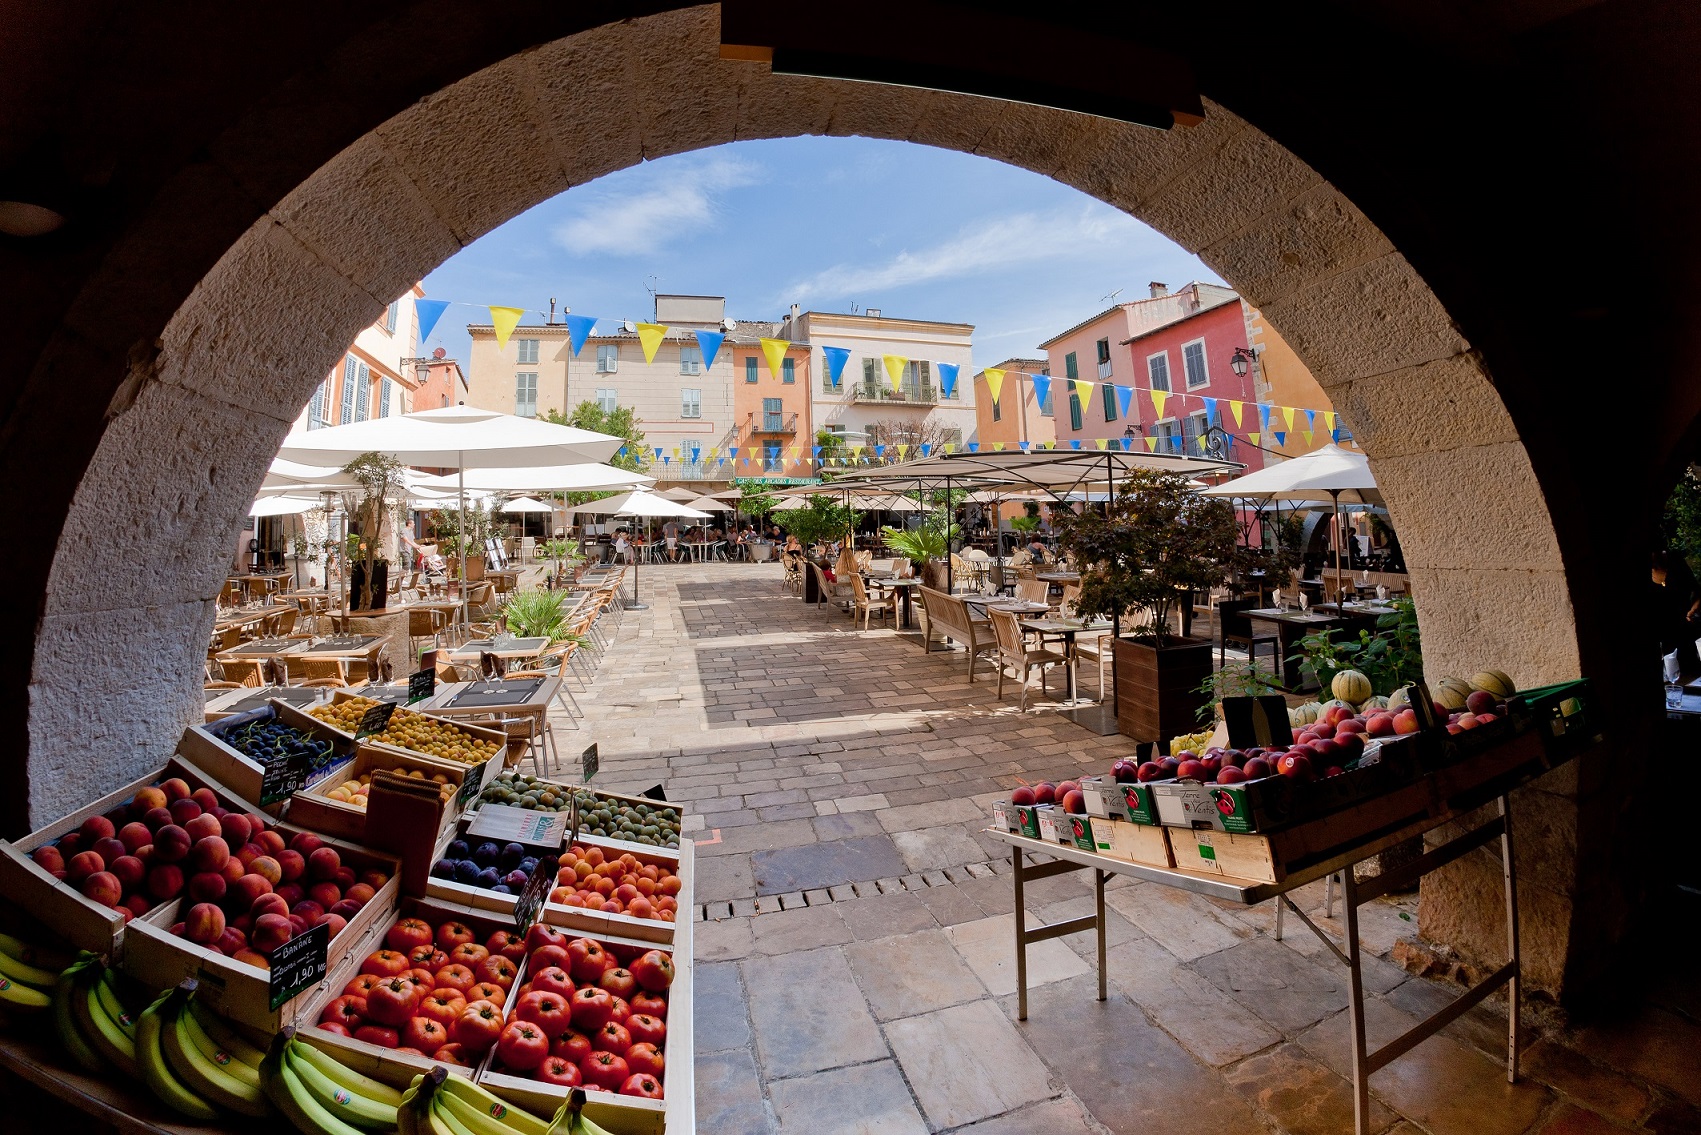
x=905, y=589
x=261, y=648
x=505, y=647
x=1065, y=629
x=515, y=697
x=1290, y=627
x=351, y=647
x=243, y=619
x=239, y=701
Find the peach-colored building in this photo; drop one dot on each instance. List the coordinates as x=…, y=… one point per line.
x=770, y=411
x=1017, y=414
x=438, y=382
x=372, y=380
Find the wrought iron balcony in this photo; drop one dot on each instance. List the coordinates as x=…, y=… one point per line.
x=784, y=424
x=927, y=395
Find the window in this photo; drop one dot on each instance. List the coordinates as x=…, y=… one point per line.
x=870, y=379
x=525, y=394
x=363, y=394
x=773, y=410
x=751, y=374
x=690, y=360
x=321, y=403
x=956, y=394
x=1193, y=361
x=1074, y=410
x=1070, y=370
x=351, y=371
x=607, y=399
x=827, y=386
x=1157, y=366
x=1104, y=358
x=526, y=351
x=1193, y=428
x=918, y=381
x=1046, y=409
x=390, y=315
x=608, y=358
x=997, y=410
x=1168, y=433
x=386, y=391
x=788, y=370
x=691, y=402
x=1109, y=402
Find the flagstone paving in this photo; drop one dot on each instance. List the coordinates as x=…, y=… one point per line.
x=855, y=964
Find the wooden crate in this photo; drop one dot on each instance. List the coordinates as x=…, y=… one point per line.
x=1137, y=843
x=160, y=959
x=607, y=841
x=241, y=773
x=313, y=809
x=496, y=736
x=627, y=1115
x=85, y=924
x=1208, y=852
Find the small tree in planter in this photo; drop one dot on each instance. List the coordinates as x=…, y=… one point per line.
x=380, y=480
x=1158, y=541
x=928, y=546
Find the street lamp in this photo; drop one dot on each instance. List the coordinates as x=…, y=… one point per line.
x=1242, y=360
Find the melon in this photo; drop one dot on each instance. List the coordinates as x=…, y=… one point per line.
x=1351, y=686
x=1400, y=698
x=1377, y=702
x=1494, y=682
x=1306, y=713
x=1336, y=703
x=1452, y=692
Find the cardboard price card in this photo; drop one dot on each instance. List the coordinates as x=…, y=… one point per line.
x=298, y=964
x=531, y=896
x=283, y=777
x=591, y=761
x=473, y=782
x=421, y=685
x=507, y=824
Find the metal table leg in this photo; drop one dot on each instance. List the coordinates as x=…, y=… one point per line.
x=1021, y=875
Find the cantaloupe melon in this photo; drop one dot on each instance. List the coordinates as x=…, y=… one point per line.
x=1452, y=692
x=1377, y=702
x=1337, y=703
x=1306, y=713
x=1494, y=682
x=1351, y=686
x=1400, y=698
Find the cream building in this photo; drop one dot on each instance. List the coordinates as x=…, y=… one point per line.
x=375, y=378
x=529, y=376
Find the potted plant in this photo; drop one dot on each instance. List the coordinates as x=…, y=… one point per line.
x=380, y=479
x=1158, y=541
x=928, y=547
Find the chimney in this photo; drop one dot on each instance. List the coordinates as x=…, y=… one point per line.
x=795, y=312
x=1159, y=289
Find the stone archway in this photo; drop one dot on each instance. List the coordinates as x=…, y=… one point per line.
x=244, y=351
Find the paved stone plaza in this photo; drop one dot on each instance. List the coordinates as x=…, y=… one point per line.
x=855, y=958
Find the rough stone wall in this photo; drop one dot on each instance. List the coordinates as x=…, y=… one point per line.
x=179, y=466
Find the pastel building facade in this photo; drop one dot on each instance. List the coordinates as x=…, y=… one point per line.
x=374, y=378
x=1017, y=414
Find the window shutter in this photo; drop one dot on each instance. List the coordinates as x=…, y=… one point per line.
x=385, y=390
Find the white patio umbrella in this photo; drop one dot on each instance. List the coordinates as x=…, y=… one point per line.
x=283, y=506
x=643, y=504
x=460, y=436
x=678, y=493
x=709, y=504
x=524, y=505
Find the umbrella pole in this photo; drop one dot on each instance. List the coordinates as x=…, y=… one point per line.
x=635, y=605
x=461, y=493
x=950, y=585
x=1340, y=588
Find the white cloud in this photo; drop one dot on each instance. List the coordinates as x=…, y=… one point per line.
x=646, y=222
x=989, y=245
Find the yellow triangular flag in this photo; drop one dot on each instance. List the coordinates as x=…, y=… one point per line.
x=1307, y=434
x=1151, y=444
x=998, y=447
x=714, y=453
x=676, y=452
x=950, y=447
x=856, y=450
x=775, y=350
x=895, y=365
x=904, y=449
x=793, y=452
x=1252, y=437
x=1159, y=397
x=505, y=319
x=1235, y=406
x=1100, y=442
x=1084, y=389
x=1329, y=422
x=650, y=336
x=994, y=382
x=1287, y=416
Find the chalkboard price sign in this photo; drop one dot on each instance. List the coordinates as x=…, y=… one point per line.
x=530, y=899
x=591, y=761
x=376, y=720
x=474, y=781
x=283, y=777
x=421, y=685
x=298, y=964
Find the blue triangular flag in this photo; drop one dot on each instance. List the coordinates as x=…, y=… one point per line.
x=1210, y=409
x=1024, y=446
x=1264, y=417
x=733, y=450
x=947, y=377
x=835, y=357
x=710, y=342
x=817, y=451
x=1126, y=442
x=1074, y=443
x=974, y=447
x=879, y=451
x=926, y=448
x=578, y=330
x=1281, y=438
x=1042, y=387
x=1125, y=397
x=1335, y=436
x=430, y=311
x=1310, y=420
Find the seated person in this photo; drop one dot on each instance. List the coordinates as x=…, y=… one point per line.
x=1036, y=550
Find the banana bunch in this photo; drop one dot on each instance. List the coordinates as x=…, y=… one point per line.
x=322, y=1096
x=188, y=1068
x=92, y=1023
x=440, y=1104
x=26, y=974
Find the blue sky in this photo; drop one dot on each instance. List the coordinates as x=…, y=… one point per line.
x=825, y=223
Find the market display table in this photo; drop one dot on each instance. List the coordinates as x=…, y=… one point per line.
x=1331, y=846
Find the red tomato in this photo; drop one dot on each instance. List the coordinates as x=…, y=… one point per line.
x=560, y=1071
x=621, y=1013
x=478, y=1027
x=546, y=956
x=348, y=1011
x=586, y=959
x=548, y=1011
x=424, y=1034
x=650, y=1003
x=334, y=1028
x=591, y=1008
x=575, y=1046
x=452, y=934
x=613, y=1037
x=468, y=954
x=458, y=978
x=451, y=1053
x=646, y=1029
x=640, y=1085
x=604, y=1070
x=654, y=971
x=498, y=969
x=555, y=980
x=522, y=1046
x=391, y=1002
x=408, y=933
x=444, y=1006
x=362, y=985
x=645, y=1060
x=428, y=957
x=508, y=944
x=385, y=963
x=421, y=978
x=619, y=981
x=487, y=991
x=541, y=935
x=378, y=1035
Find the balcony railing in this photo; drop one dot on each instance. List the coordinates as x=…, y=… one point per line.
x=913, y=395
x=775, y=424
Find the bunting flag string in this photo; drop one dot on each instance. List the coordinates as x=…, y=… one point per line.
x=1084, y=390
x=430, y=311
x=1210, y=409
x=774, y=350
x=1235, y=408
x=1159, y=397
x=994, y=382
x=579, y=329
x=650, y=336
x=947, y=378
x=709, y=342
x=1042, y=387
x=504, y=320
x=1125, y=398
x=835, y=357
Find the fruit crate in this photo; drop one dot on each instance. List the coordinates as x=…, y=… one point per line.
x=159, y=959
x=314, y=808
x=616, y=798
x=491, y=767
x=83, y=923
x=1274, y=802
x=1562, y=714
x=205, y=747
x=618, y=1114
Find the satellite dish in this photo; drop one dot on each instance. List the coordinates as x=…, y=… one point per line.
x=729, y=325
x=628, y=327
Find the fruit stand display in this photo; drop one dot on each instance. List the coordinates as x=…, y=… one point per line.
x=237, y=749
x=336, y=805
x=632, y=820
x=421, y=734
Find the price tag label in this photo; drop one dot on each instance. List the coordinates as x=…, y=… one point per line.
x=474, y=782
x=298, y=964
x=530, y=899
x=591, y=761
x=376, y=720
x=421, y=685
x=507, y=824
x=283, y=777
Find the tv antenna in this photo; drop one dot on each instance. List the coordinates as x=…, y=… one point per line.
x=1112, y=297
x=651, y=285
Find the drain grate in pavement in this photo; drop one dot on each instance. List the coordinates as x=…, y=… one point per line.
x=792, y=900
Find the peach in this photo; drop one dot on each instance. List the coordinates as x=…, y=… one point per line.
x=209, y=854
x=373, y=879
x=298, y=924
x=146, y=855
x=326, y=895
x=110, y=848
x=138, y=904
x=69, y=844
x=83, y=864
x=294, y=864
x=348, y=908
x=135, y=834
x=249, y=957
x=246, y=890
x=182, y=811
x=305, y=843
x=243, y=922
x=204, y=923
x=95, y=828
x=290, y=893
x=249, y=852
x=236, y=830
x=344, y=878
x=308, y=909
x=103, y=887
x=270, y=932
x=156, y=818
x=207, y=886
x=233, y=869
x=48, y=858
x=335, y=921
x=267, y=868
x=203, y=826
x=272, y=842
x=361, y=893
x=165, y=881
x=231, y=941
x=205, y=798
x=323, y=864
x=267, y=904
x=219, y=811
x=146, y=800
x=175, y=789
x=130, y=871
x=171, y=844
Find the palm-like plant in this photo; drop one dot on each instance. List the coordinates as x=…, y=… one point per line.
x=537, y=614
x=922, y=545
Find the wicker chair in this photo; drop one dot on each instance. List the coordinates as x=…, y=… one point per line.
x=793, y=565
x=325, y=683
x=316, y=669
x=1013, y=651
x=425, y=622
x=244, y=671
x=211, y=685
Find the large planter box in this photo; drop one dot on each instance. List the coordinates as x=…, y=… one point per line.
x=1157, y=690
